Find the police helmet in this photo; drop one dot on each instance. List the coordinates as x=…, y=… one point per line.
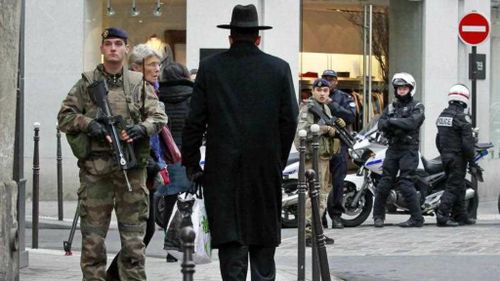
x=459, y=93
x=404, y=79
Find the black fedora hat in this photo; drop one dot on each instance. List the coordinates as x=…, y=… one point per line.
x=244, y=17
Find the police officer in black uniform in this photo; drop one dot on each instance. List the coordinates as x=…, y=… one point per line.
x=401, y=123
x=455, y=142
x=342, y=106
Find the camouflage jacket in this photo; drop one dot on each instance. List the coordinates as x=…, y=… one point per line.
x=125, y=98
x=328, y=145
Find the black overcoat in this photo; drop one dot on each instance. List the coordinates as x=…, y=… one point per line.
x=246, y=102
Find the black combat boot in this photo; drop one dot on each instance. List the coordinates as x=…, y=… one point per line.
x=337, y=223
x=443, y=219
x=412, y=223
x=463, y=219
x=328, y=240
x=467, y=221
x=171, y=258
x=378, y=222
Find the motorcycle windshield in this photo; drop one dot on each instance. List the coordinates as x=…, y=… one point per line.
x=371, y=127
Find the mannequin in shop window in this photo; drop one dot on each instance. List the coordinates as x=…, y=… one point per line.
x=343, y=107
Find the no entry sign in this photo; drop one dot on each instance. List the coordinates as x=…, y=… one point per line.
x=473, y=28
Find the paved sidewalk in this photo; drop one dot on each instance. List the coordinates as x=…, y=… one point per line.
x=362, y=253
x=52, y=265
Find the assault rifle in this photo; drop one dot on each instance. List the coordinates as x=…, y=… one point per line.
x=99, y=93
x=324, y=119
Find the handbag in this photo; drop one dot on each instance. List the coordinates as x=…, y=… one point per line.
x=171, y=152
x=189, y=210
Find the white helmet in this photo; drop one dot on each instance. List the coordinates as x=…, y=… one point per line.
x=404, y=79
x=459, y=92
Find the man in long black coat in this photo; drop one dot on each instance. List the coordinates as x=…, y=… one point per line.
x=245, y=101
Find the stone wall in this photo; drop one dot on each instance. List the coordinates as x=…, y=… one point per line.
x=9, y=53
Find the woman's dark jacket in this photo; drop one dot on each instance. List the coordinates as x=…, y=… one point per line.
x=176, y=95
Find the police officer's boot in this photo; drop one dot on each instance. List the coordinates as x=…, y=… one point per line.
x=443, y=219
x=416, y=219
x=378, y=222
x=463, y=219
x=412, y=222
x=337, y=222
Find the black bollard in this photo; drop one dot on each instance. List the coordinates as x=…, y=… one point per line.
x=60, y=214
x=317, y=227
x=187, y=237
x=36, y=186
x=315, y=166
x=302, y=187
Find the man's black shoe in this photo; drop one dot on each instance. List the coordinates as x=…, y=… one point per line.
x=378, y=222
x=171, y=258
x=337, y=223
x=467, y=221
x=412, y=223
x=448, y=222
x=328, y=240
x=464, y=219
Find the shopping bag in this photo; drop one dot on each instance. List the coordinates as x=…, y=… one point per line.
x=190, y=211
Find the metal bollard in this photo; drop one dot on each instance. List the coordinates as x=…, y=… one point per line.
x=188, y=265
x=315, y=166
x=302, y=187
x=36, y=186
x=317, y=227
x=60, y=214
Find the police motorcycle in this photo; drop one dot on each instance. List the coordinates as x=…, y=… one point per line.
x=369, y=152
x=290, y=197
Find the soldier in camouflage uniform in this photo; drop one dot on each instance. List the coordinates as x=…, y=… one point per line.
x=103, y=186
x=328, y=145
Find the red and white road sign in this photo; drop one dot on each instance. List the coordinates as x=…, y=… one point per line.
x=473, y=28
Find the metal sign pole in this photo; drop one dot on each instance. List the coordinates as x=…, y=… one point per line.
x=473, y=86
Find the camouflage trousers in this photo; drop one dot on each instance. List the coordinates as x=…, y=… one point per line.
x=97, y=196
x=325, y=187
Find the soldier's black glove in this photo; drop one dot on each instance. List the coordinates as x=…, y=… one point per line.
x=136, y=132
x=194, y=173
x=96, y=130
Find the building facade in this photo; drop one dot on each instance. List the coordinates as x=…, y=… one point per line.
x=63, y=37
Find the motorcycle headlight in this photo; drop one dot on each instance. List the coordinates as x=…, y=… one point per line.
x=356, y=154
